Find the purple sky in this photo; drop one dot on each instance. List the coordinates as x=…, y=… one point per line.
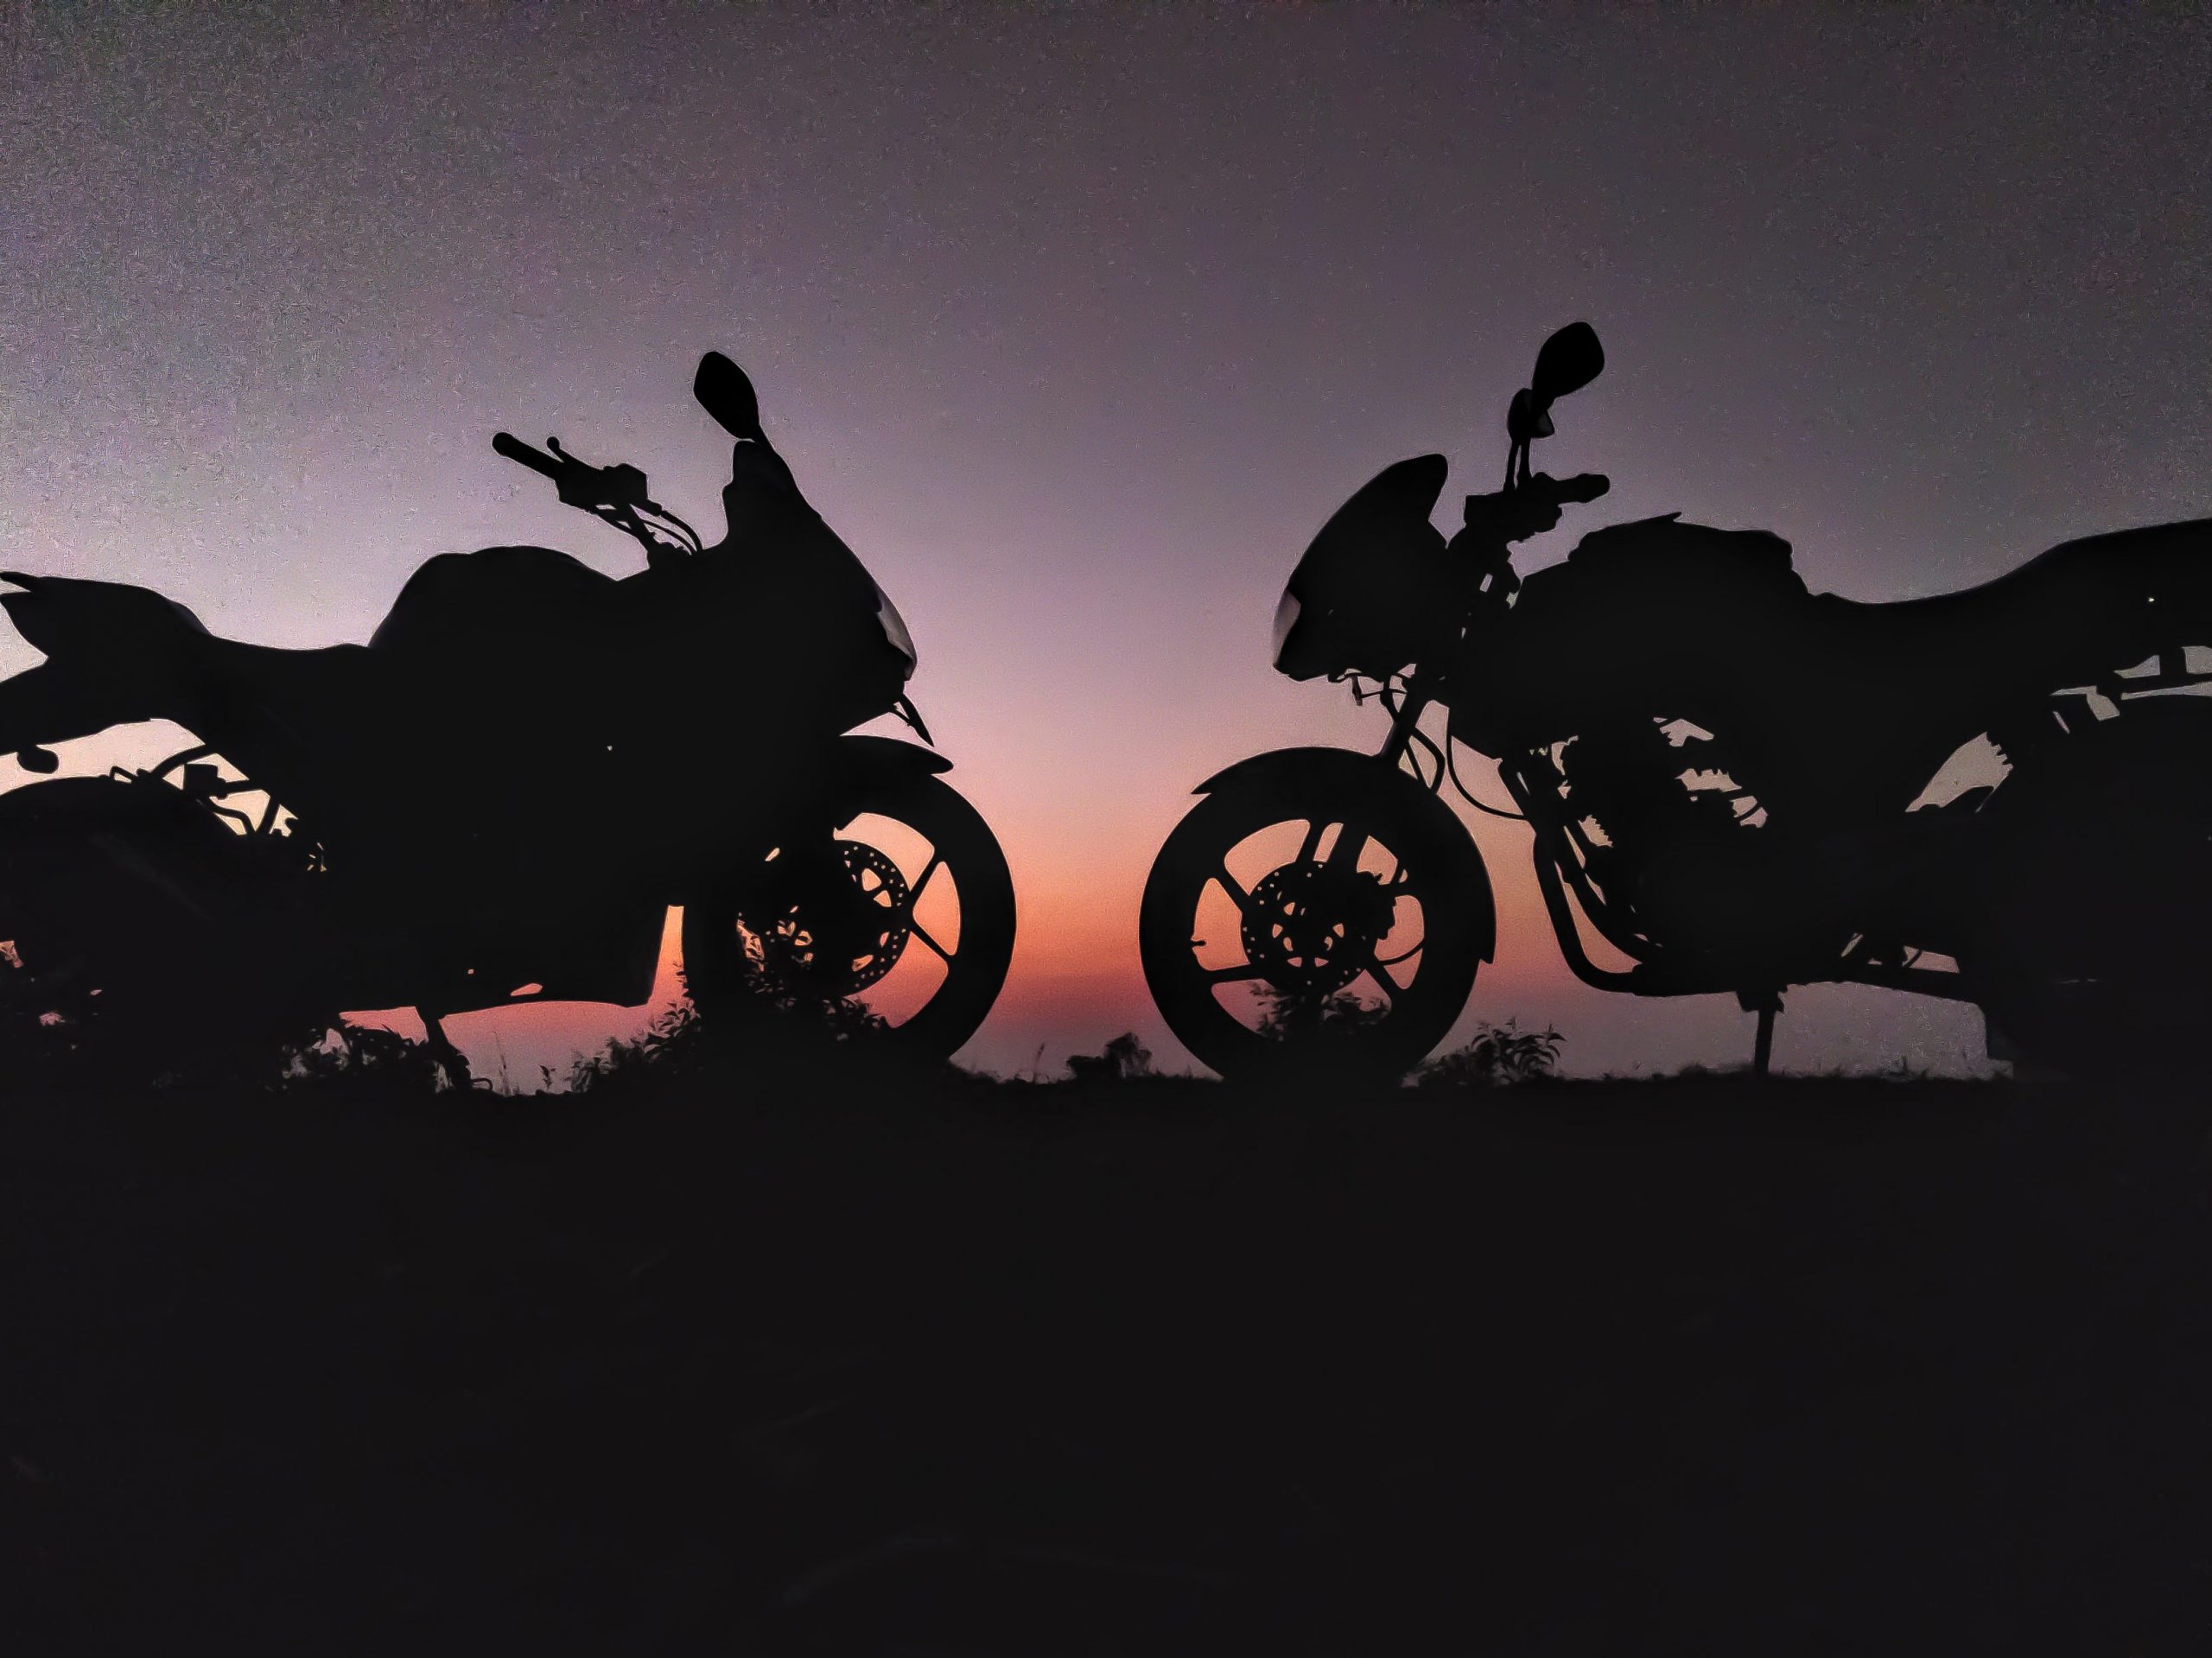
x=1077, y=322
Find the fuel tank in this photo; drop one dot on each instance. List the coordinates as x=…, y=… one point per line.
x=1677, y=617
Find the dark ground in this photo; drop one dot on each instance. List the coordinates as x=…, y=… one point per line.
x=1809, y=1367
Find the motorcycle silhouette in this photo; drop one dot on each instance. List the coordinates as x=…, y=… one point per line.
x=496, y=800
x=1729, y=781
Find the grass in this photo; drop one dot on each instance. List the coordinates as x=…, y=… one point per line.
x=819, y=1358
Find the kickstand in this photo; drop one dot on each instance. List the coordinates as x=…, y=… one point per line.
x=450, y=1059
x=1766, y=1005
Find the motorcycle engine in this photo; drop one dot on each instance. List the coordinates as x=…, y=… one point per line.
x=1680, y=847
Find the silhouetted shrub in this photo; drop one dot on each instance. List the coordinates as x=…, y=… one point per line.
x=773, y=1020
x=771, y=998
x=358, y=1055
x=1499, y=1055
x=1125, y=1059
x=59, y=1034
x=679, y=1040
x=1289, y=1015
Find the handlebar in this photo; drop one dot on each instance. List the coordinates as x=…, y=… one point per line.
x=598, y=490
x=1583, y=486
x=580, y=483
x=515, y=449
x=616, y=495
x=1530, y=508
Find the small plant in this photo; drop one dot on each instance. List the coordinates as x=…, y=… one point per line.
x=776, y=1016
x=57, y=1031
x=1288, y=1015
x=677, y=1040
x=365, y=1055
x=1125, y=1060
x=1500, y=1055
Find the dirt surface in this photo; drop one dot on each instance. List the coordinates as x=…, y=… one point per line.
x=843, y=1365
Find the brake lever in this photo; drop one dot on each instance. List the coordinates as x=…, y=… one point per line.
x=615, y=495
x=581, y=484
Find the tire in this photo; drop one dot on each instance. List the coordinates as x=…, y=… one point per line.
x=2092, y=956
x=721, y=975
x=1312, y=928
x=2093, y=1028
x=134, y=952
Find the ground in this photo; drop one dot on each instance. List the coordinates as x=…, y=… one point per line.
x=839, y=1363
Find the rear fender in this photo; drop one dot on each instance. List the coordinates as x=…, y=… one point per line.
x=110, y=622
x=1295, y=773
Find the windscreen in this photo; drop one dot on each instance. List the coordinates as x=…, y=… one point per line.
x=1359, y=598
x=894, y=631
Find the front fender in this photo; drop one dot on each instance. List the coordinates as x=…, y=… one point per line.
x=887, y=758
x=1296, y=774
x=862, y=769
x=1346, y=767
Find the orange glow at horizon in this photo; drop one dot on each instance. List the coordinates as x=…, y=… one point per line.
x=1076, y=978
x=1079, y=859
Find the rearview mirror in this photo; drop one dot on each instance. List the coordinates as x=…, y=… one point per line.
x=724, y=392
x=1570, y=359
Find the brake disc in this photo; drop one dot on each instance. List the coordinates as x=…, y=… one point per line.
x=839, y=943
x=1312, y=929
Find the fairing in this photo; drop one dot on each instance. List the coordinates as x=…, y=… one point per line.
x=1361, y=596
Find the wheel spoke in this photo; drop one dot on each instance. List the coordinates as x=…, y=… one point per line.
x=1381, y=974
x=914, y=889
x=922, y=933
x=1232, y=975
x=1237, y=895
x=1315, y=829
x=1351, y=841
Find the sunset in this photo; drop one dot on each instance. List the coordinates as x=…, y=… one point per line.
x=1858, y=748
x=1077, y=359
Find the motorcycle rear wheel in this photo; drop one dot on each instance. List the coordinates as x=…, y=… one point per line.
x=132, y=953
x=1257, y=970
x=903, y=843
x=2092, y=959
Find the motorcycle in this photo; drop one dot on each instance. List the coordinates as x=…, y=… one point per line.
x=1731, y=783
x=497, y=799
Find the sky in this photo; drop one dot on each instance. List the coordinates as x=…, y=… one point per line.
x=1077, y=322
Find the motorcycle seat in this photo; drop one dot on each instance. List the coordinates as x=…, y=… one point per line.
x=2071, y=607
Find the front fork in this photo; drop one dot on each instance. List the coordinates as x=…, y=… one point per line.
x=1343, y=856
x=1418, y=697
x=1349, y=841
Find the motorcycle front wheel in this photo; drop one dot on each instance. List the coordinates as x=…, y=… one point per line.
x=904, y=929
x=1316, y=909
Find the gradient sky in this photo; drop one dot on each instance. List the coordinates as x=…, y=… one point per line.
x=1076, y=323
